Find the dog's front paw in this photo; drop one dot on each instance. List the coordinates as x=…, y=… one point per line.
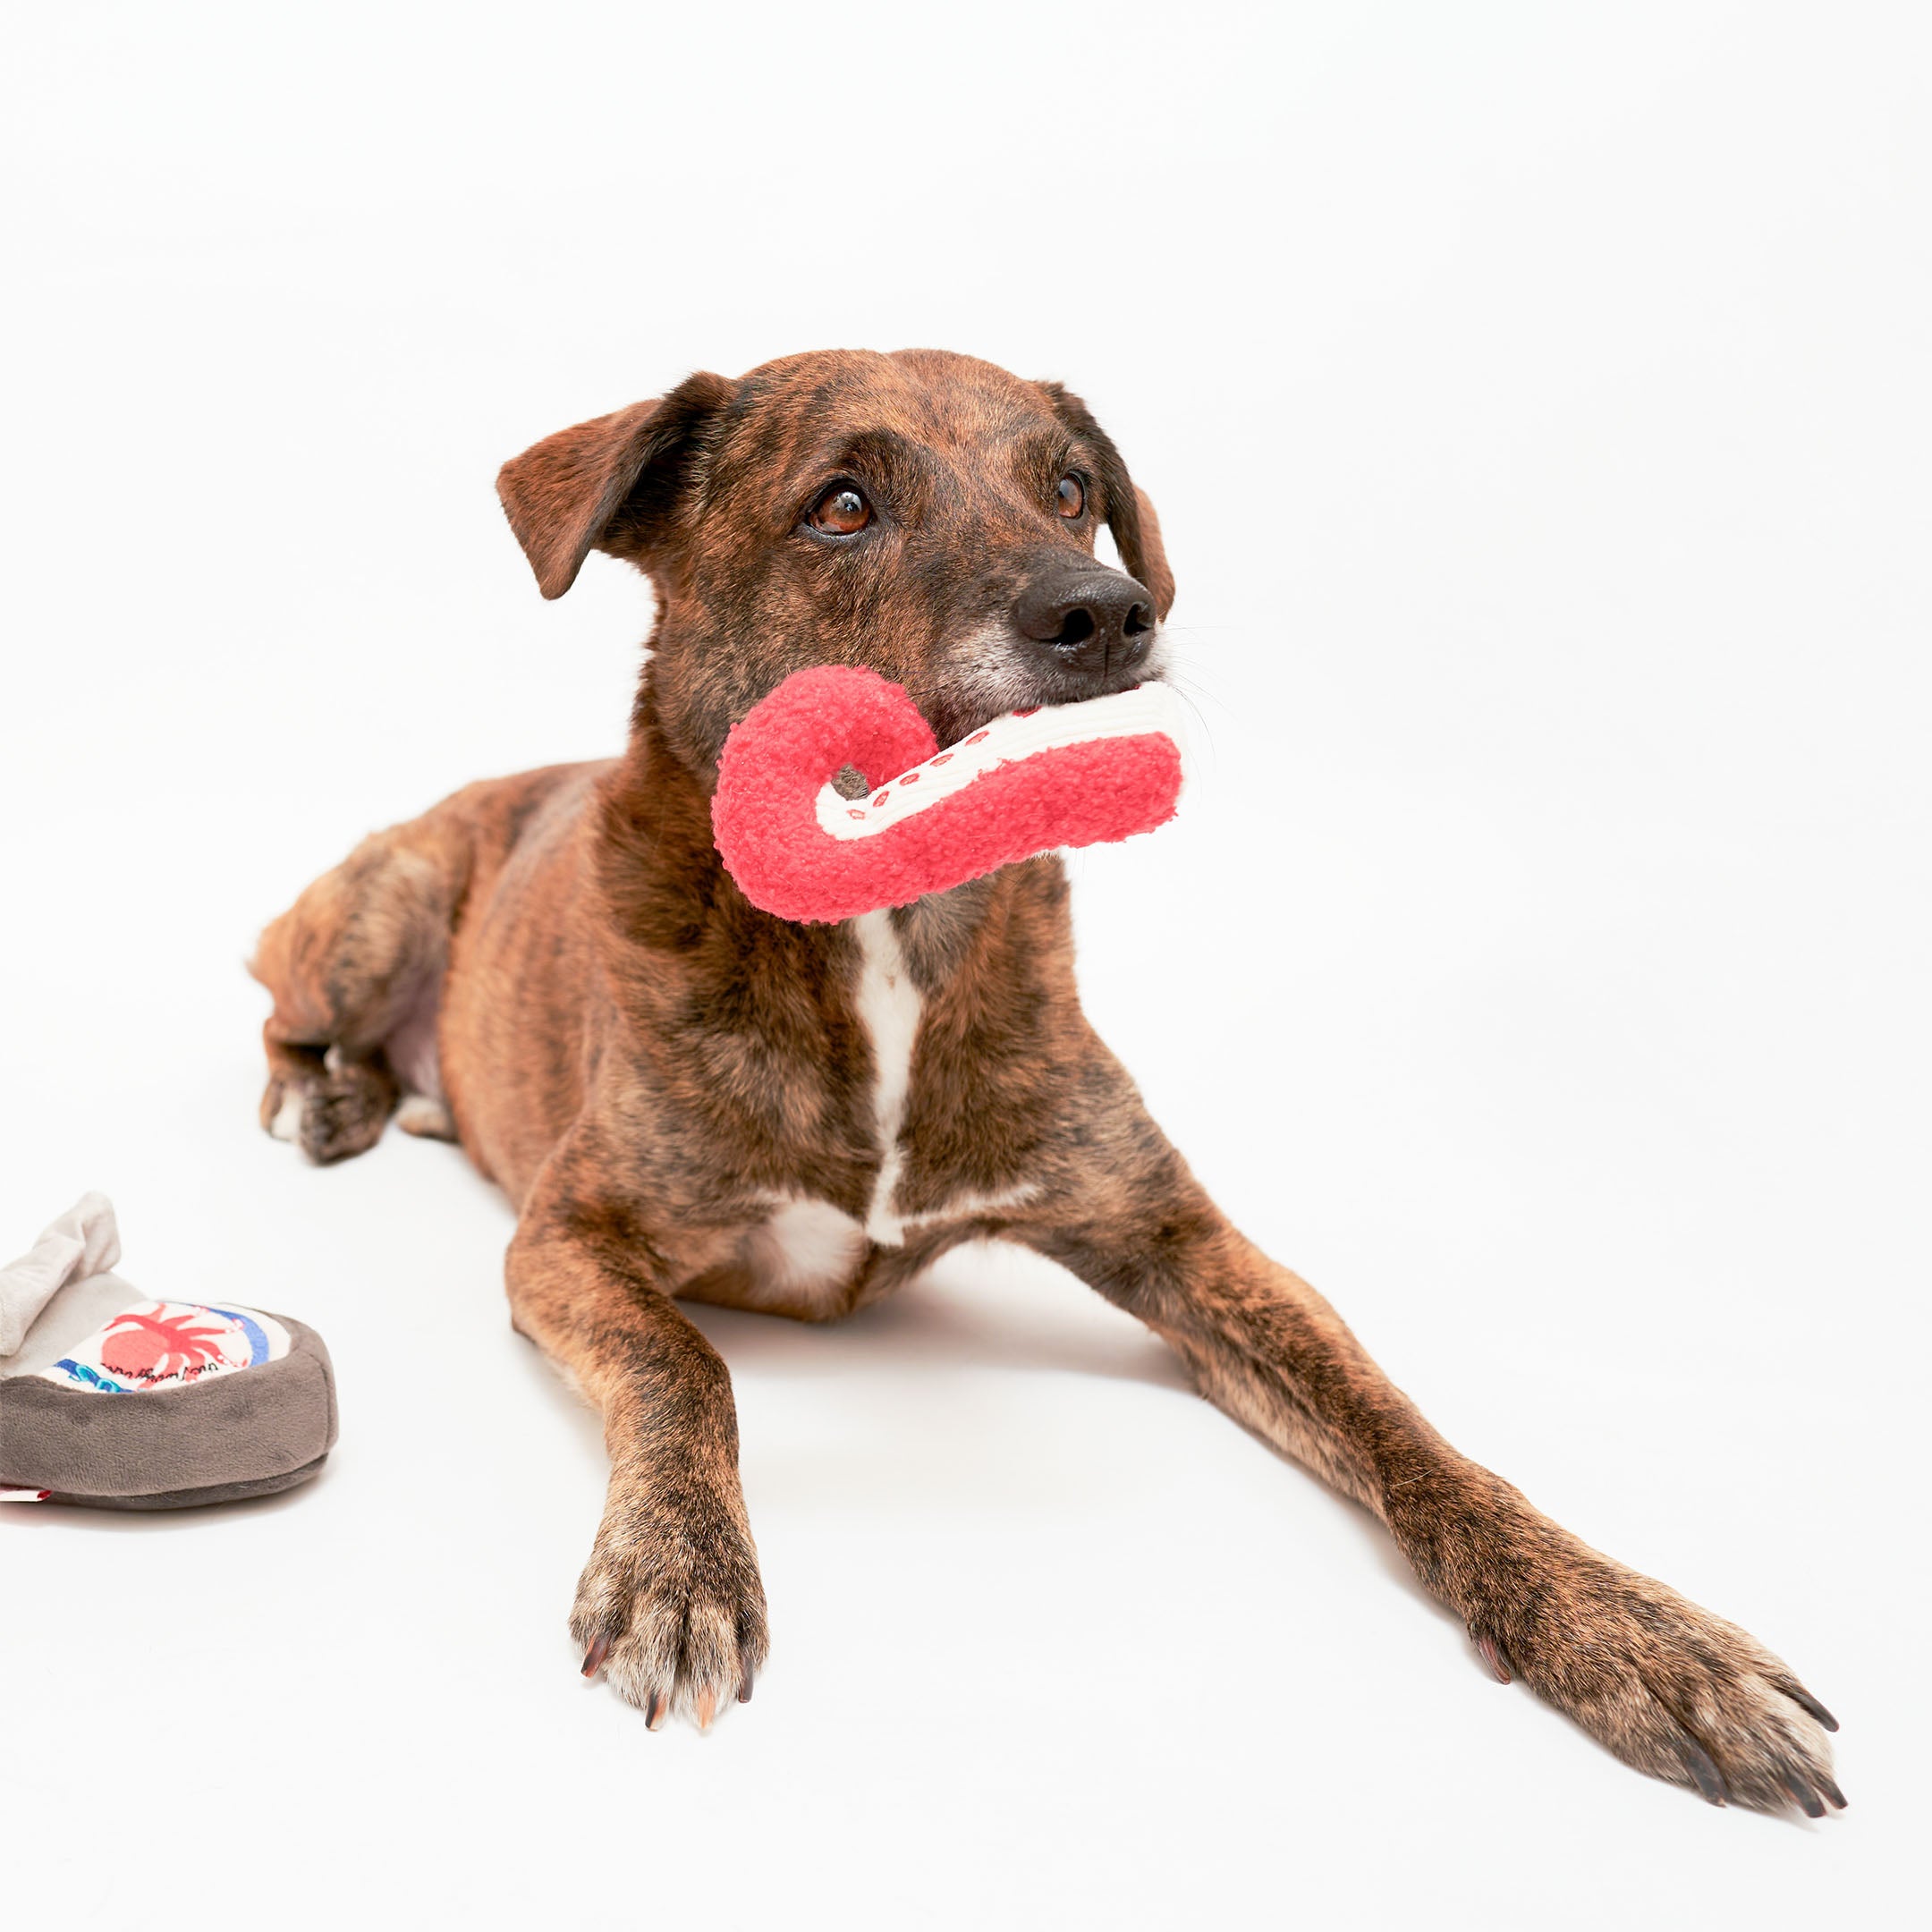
x=1665, y=1685
x=671, y=1609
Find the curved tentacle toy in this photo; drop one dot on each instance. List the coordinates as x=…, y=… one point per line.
x=1062, y=774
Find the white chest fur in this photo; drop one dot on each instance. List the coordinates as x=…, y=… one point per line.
x=807, y=1251
x=803, y=1258
x=889, y=1010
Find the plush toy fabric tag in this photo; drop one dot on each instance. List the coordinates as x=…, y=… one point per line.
x=169, y=1345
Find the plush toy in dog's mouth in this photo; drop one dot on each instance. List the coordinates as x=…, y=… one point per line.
x=1082, y=774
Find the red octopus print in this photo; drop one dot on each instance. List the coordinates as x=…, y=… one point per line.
x=153, y=1348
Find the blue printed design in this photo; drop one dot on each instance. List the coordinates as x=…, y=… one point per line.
x=80, y=1372
x=257, y=1339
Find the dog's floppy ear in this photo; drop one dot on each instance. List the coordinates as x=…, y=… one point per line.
x=1130, y=511
x=566, y=495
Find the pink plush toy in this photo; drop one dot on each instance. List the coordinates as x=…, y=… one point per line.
x=1062, y=774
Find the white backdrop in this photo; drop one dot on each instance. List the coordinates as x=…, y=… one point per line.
x=1537, y=400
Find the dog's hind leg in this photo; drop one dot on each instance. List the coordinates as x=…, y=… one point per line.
x=356, y=969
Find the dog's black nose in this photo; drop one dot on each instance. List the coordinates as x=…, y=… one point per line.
x=1088, y=619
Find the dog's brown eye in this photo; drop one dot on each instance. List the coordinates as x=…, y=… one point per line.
x=841, y=512
x=1073, y=494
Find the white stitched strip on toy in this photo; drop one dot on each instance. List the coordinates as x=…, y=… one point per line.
x=1144, y=711
x=23, y=1495
x=169, y=1345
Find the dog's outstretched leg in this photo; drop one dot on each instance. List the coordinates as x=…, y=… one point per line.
x=670, y=1606
x=1667, y=1686
x=356, y=969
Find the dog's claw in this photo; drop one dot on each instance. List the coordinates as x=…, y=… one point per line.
x=746, y=1670
x=1828, y=1785
x=654, y=1710
x=1808, y=1800
x=1709, y=1779
x=707, y=1708
x=1492, y=1655
x=1806, y=1702
x=594, y=1656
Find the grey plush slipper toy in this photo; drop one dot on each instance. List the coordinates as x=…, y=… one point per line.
x=113, y=1401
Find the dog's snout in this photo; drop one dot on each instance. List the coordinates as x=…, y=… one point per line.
x=1091, y=621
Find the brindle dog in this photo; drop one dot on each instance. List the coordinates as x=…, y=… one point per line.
x=686, y=1097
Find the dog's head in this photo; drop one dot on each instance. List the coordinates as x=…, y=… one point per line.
x=924, y=514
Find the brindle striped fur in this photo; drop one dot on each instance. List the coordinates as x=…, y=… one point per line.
x=648, y=1064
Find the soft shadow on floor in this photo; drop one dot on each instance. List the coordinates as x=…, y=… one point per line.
x=987, y=1305
x=16, y=1517
x=984, y=1306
